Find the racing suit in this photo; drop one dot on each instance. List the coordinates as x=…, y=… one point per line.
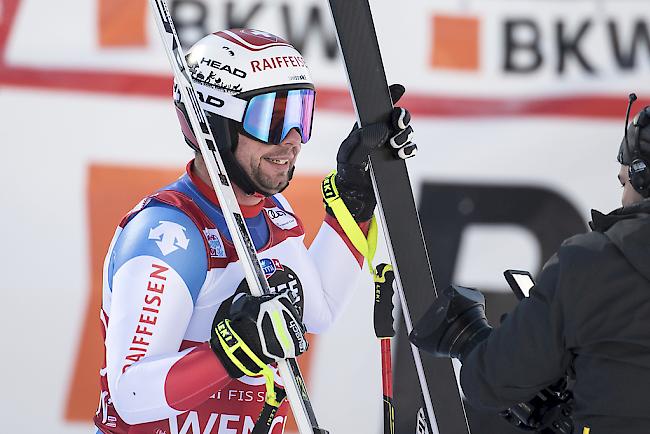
x=169, y=267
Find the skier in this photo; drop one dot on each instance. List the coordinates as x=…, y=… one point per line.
x=187, y=349
x=589, y=313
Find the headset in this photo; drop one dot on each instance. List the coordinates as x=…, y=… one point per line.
x=638, y=171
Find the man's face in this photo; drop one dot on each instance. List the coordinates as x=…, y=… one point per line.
x=269, y=166
x=630, y=195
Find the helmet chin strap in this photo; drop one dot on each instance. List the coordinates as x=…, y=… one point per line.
x=240, y=178
x=227, y=137
x=243, y=181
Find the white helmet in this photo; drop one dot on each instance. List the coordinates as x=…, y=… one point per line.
x=250, y=82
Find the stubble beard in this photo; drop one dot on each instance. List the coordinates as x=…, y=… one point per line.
x=269, y=184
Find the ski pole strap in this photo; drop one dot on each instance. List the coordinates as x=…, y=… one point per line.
x=236, y=349
x=366, y=246
x=265, y=420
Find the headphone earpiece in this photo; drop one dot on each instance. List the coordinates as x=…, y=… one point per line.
x=638, y=171
x=639, y=174
x=642, y=119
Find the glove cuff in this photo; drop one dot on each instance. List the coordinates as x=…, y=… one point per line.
x=355, y=188
x=232, y=370
x=233, y=353
x=337, y=207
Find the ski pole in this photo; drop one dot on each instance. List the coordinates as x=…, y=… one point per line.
x=289, y=371
x=384, y=330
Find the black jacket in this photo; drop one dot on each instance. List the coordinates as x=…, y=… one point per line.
x=589, y=311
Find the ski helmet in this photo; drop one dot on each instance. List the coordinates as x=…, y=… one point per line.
x=249, y=82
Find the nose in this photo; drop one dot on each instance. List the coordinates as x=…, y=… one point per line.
x=292, y=139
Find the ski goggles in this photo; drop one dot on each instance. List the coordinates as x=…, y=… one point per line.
x=269, y=117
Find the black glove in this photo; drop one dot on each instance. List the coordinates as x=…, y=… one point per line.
x=256, y=331
x=352, y=177
x=454, y=324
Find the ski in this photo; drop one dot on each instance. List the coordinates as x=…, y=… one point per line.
x=398, y=213
x=289, y=371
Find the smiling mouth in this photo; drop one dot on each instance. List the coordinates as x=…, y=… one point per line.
x=279, y=161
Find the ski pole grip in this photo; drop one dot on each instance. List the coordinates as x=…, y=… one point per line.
x=265, y=420
x=383, y=311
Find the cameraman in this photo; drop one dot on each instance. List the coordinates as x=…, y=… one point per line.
x=589, y=312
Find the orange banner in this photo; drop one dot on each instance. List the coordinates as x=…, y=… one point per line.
x=455, y=42
x=122, y=23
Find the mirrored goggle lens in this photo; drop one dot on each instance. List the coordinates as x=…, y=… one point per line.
x=270, y=117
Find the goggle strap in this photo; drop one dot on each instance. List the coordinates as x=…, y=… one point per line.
x=220, y=103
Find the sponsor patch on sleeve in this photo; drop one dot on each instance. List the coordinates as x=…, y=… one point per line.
x=281, y=219
x=270, y=266
x=214, y=241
